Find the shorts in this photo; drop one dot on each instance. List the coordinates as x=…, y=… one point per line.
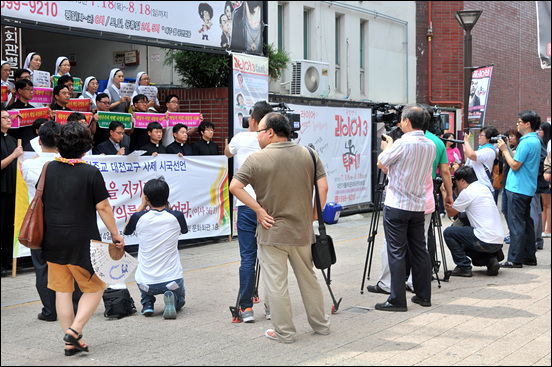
x=61, y=279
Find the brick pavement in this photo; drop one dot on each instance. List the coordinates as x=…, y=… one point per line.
x=502, y=320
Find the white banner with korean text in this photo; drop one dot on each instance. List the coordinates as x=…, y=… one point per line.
x=198, y=188
x=342, y=138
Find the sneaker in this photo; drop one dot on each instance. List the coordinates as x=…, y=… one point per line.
x=271, y=334
x=493, y=267
x=247, y=315
x=267, y=313
x=507, y=239
x=170, y=310
x=147, y=310
x=546, y=235
x=459, y=272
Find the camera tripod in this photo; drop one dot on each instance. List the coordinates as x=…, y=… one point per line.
x=434, y=232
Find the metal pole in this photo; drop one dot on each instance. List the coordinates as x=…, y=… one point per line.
x=467, y=75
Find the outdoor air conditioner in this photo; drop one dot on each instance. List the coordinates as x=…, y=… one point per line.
x=310, y=78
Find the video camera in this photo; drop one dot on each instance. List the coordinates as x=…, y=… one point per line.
x=495, y=139
x=439, y=122
x=390, y=115
x=283, y=109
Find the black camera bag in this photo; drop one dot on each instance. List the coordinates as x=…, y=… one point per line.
x=118, y=303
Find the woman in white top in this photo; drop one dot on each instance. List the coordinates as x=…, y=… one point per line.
x=89, y=90
x=142, y=79
x=32, y=62
x=118, y=103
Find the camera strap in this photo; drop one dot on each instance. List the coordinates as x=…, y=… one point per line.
x=321, y=226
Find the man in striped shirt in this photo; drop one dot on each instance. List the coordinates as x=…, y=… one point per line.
x=407, y=161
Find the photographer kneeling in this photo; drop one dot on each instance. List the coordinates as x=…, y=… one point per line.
x=481, y=239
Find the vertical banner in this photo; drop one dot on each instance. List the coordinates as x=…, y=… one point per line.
x=342, y=138
x=198, y=188
x=251, y=79
x=543, y=29
x=11, y=46
x=479, y=91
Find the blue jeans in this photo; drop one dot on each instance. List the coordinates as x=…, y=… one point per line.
x=247, y=227
x=176, y=286
x=462, y=243
x=522, y=228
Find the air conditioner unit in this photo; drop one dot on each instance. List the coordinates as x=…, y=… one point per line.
x=310, y=78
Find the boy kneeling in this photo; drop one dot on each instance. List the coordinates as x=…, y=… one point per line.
x=159, y=270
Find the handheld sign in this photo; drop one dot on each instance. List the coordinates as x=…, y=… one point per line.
x=79, y=104
x=143, y=119
x=105, y=118
x=188, y=119
x=61, y=116
x=42, y=95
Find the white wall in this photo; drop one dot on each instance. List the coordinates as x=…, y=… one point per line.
x=386, y=45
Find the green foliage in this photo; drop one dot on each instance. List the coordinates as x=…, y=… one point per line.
x=200, y=69
x=208, y=70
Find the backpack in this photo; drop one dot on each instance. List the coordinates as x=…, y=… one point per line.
x=498, y=174
x=118, y=303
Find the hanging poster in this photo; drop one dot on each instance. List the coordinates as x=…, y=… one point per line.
x=479, y=92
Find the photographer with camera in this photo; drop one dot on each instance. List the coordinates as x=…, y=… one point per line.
x=408, y=162
x=482, y=160
x=521, y=185
x=481, y=240
x=282, y=174
x=242, y=146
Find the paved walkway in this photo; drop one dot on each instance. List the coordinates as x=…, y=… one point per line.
x=502, y=320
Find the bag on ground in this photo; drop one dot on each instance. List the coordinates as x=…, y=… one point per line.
x=118, y=303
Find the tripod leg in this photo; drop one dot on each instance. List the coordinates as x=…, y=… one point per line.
x=257, y=277
x=235, y=310
x=327, y=280
x=431, y=247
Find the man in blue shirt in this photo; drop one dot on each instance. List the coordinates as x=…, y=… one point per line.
x=521, y=185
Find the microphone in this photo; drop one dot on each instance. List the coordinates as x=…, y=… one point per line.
x=453, y=140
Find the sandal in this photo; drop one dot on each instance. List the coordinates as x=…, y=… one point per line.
x=70, y=352
x=75, y=341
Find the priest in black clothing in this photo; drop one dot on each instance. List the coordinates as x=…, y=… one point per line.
x=154, y=146
x=25, y=91
x=62, y=96
x=115, y=144
x=206, y=145
x=179, y=145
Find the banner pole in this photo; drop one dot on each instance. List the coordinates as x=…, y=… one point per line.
x=14, y=259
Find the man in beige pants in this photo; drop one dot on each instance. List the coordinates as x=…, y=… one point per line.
x=282, y=175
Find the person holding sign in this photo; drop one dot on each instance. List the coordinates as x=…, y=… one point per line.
x=115, y=145
x=206, y=145
x=159, y=268
x=25, y=90
x=173, y=106
x=139, y=137
x=89, y=90
x=10, y=153
x=143, y=80
x=69, y=225
x=154, y=146
x=32, y=62
x=179, y=145
x=119, y=104
x=62, y=96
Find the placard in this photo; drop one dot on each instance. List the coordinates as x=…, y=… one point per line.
x=105, y=118
x=188, y=119
x=42, y=95
x=4, y=93
x=141, y=120
x=149, y=91
x=79, y=104
x=14, y=116
x=126, y=90
x=77, y=84
x=28, y=116
x=62, y=116
x=41, y=78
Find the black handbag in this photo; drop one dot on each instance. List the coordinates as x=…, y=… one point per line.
x=323, y=251
x=118, y=303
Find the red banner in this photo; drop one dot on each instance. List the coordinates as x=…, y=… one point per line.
x=4, y=93
x=61, y=116
x=79, y=104
x=28, y=116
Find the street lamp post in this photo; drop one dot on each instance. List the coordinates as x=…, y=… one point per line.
x=467, y=19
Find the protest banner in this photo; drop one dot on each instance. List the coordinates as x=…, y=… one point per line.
x=198, y=188
x=42, y=95
x=77, y=84
x=29, y=115
x=4, y=93
x=479, y=92
x=41, y=78
x=188, y=119
x=105, y=118
x=61, y=116
x=141, y=120
x=79, y=104
x=126, y=90
x=149, y=91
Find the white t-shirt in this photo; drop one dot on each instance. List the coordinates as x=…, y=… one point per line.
x=482, y=212
x=242, y=146
x=485, y=157
x=158, y=233
x=31, y=170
